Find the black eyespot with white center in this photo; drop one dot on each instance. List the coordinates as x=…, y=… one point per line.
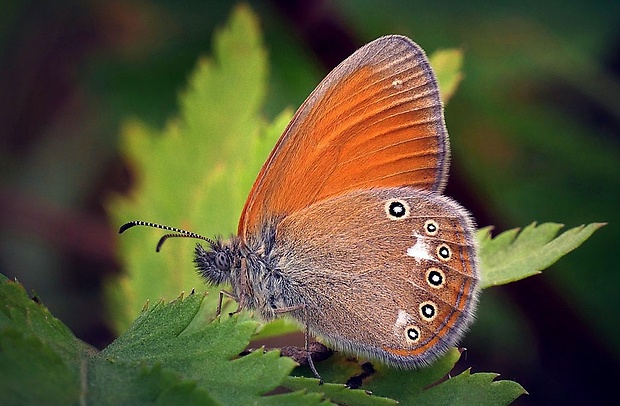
x=428, y=310
x=443, y=252
x=412, y=333
x=431, y=228
x=397, y=209
x=435, y=277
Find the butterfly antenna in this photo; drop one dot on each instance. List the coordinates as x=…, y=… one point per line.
x=176, y=232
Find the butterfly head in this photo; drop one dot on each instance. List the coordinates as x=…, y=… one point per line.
x=216, y=262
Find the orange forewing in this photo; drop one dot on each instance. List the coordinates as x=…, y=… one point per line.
x=375, y=121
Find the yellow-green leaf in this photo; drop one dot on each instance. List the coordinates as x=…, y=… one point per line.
x=448, y=65
x=196, y=172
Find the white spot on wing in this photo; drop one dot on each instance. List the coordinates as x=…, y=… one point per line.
x=419, y=250
x=402, y=320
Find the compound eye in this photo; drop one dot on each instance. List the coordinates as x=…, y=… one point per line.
x=221, y=260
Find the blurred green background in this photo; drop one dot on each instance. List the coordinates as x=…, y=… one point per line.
x=534, y=130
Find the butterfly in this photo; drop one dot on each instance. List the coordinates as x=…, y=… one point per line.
x=346, y=228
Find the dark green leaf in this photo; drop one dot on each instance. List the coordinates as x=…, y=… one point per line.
x=172, y=354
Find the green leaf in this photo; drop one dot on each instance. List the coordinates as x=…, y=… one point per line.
x=195, y=173
x=477, y=389
x=338, y=393
x=515, y=255
x=172, y=354
x=384, y=383
x=406, y=386
x=178, y=337
x=112, y=383
x=421, y=386
x=448, y=66
x=40, y=359
x=418, y=387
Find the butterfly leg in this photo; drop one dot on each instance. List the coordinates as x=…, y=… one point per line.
x=310, y=361
x=306, y=339
x=223, y=293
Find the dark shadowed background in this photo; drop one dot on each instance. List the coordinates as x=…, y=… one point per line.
x=534, y=130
